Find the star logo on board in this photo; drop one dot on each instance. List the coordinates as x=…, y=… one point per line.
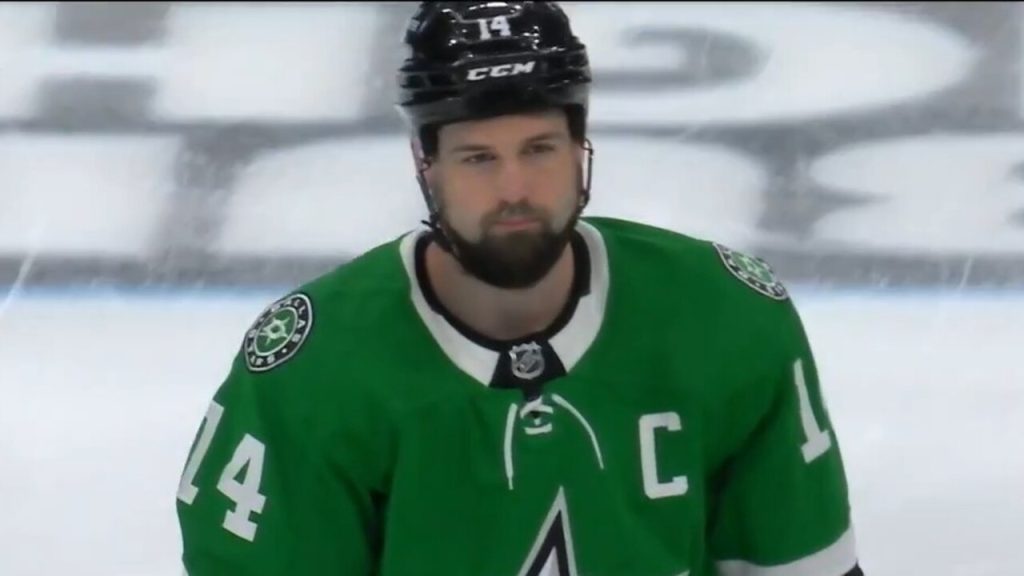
x=278, y=333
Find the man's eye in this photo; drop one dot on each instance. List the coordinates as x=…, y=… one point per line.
x=477, y=158
x=540, y=148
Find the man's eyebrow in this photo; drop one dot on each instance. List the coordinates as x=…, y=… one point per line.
x=550, y=135
x=470, y=147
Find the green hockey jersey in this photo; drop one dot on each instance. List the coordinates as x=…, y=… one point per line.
x=669, y=423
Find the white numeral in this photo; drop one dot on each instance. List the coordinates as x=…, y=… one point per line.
x=186, y=489
x=921, y=202
x=499, y=23
x=818, y=440
x=248, y=458
x=246, y=494
x=923, y=56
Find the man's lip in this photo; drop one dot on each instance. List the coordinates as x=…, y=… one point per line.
x=516, y=222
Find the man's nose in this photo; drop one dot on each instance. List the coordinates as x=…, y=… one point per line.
x=513, y=181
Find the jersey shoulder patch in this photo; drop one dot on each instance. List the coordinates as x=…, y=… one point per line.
x=752, y=271
x=278, y=333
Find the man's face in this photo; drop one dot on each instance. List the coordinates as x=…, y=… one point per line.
x=507, y=191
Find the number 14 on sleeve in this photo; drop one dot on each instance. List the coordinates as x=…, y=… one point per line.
x=245, y=493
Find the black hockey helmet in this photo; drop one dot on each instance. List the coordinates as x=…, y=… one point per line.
x=469, y=60
x=474, y=60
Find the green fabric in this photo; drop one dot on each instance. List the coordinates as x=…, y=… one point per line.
x=380, y=456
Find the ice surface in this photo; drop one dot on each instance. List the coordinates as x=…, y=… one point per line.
x=106, y=393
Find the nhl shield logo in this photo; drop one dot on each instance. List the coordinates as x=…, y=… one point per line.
x=278, y=333
x=527, y=361
x=753, y=271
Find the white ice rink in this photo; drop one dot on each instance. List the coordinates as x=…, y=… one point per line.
x=103, y=396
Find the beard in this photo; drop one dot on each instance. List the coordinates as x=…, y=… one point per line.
x=513, y=260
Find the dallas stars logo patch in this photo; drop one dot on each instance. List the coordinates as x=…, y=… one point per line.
x=278, y=333
x=753, y=271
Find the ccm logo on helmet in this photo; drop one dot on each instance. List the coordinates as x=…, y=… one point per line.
x=501, y=70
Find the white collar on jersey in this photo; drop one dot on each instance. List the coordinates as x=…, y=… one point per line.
x=570, y=343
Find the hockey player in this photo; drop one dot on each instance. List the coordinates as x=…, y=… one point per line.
x=515, y=389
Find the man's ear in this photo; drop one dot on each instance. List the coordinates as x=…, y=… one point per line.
x=423, y=166
x=420, y=161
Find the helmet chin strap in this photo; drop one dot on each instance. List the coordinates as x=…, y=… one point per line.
x=434, y=219
x=585, y=192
